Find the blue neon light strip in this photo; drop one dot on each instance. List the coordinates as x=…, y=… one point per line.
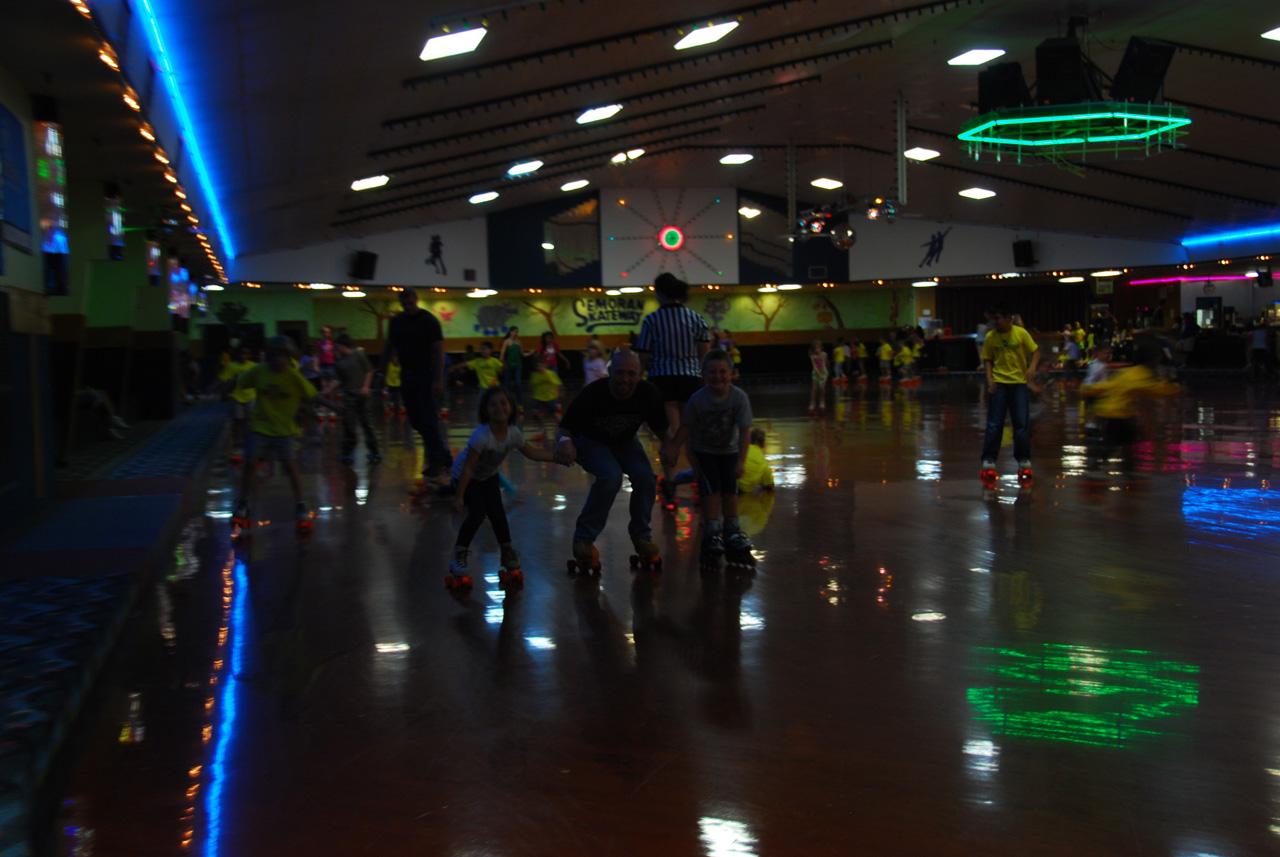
x=1231, y=236
x=152, y=26
x=226, y=715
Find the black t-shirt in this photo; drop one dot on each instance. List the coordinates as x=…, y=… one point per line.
x=412, y=337
x=597, y=415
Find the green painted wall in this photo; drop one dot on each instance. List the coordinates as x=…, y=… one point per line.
x=573, y=314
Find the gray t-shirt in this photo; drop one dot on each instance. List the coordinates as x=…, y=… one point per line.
x=715, y=426
x=351, y=371
x=489, y=451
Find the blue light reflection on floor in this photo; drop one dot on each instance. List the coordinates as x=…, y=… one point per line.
x=1225, y=513
x=226, y=715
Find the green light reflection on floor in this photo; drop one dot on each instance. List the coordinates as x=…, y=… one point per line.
x=1105, y=697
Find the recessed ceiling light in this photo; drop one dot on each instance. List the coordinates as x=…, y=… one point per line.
x=737, y=159
x=826, y=184
x=924, y=284
x=919, y=153
x=1272, y=34
x=524, y=167
x=354, y=293
x=788, y=287
x=452, y=44
x=483, y=197
x=574, y=185
x=481, y=293
x=706, y=35
x=214, y=287
x=631, y=290
x=748, y=212
x=321, y=287
x=1105, y=274
x=612, y=292
x=547, y=245
x=370, y=182
x=620, y=158
x=632, y=154
x=1070, y=279
x=595, y=114
x=977, y=193
x=976, y=57
x=767, y=289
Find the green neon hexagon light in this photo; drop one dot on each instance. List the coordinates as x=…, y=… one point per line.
x=1106, y=129
x=1080, y=694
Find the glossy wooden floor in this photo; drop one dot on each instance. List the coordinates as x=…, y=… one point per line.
x=1085, y=666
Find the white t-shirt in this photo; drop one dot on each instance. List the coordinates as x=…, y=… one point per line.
x=490, y=451
x=595, y=369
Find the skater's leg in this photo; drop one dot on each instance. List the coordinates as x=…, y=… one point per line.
x=491, y=495
x=634, y=462
x=361, y=406
x=1019, y=413
x=997, y=404
x=477, y=511
x=599, y=460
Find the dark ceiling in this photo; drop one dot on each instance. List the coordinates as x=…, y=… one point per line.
x=294, y=99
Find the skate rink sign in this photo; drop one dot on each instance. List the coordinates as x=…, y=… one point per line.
x=608, y=312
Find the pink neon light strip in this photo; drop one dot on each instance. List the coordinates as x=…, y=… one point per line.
x=1186, y=280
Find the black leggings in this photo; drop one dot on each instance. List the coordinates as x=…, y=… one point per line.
x=484, y=500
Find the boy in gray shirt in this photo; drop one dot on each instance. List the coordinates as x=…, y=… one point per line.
x=718, y=419
x=353, y=374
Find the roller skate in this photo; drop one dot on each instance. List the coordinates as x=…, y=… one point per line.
x=646, y=557
x=304, y=526
x=458, y=580
x=737, y=551
x=988, y=474
x=667, y=491
x=1025, y=476
x=586, y=559
x=240, y=523
x=509, y=574
x=712, y=550
x=435, y=481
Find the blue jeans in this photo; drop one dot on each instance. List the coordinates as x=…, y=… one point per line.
x=1013, y=399
x=511, y=380
x=421, y=410
x=607, y=463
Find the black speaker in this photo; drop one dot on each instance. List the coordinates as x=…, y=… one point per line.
x=1265, y=280
x=1024, y=254
x=363, y=264
x=1001, y=86
x=1141, y=72
x=1063, y=75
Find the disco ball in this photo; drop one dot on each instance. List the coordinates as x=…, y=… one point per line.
x=843, y=236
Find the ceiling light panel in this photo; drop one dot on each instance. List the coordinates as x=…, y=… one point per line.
x=706, y=35
x=452, y=44
x=919, y=153
x=748, y=212
x=977, y=193
x=525, y=167
x=576, y=184
x=734, y=160
x=827, y=184
x=370, y=182
x=596, y=114
x=1272, y=34
x=487, y=196
x=977, y=56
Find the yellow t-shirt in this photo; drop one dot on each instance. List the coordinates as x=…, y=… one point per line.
x=546, y=385
x=1078, y=335
x=1008, y=353
x=487, y=370
x=393, y=375
x=862, y=351
x=837, y=356
x=276, y=408
x=1116, y=395
x=231, y=372
x=755, y=471
x=886, y=352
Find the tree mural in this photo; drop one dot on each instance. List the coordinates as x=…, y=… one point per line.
x=760, y=310
x=828, y=312
x=547, y=313
x=381, y=310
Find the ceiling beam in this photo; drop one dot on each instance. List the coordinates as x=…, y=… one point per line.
x=604, y=81
x=1224, y=55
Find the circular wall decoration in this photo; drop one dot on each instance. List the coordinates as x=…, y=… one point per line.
x=671, y=238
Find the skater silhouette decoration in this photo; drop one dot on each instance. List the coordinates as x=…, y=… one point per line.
x=436, y=259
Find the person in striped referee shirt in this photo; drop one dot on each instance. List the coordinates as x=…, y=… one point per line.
x=672, y=342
